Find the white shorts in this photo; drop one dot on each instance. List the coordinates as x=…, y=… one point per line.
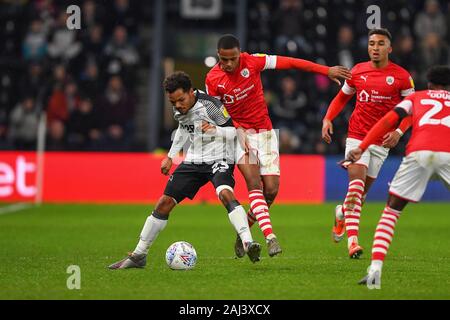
x=373, y=158
x=264, y=145
x=416, y=170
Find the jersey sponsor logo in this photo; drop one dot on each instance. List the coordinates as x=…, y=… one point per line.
x=188, y=127
x=390, y=80
x=228, y=99
x=245, y=73
x=363, y=96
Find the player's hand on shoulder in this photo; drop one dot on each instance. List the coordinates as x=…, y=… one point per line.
x=166, y=164
x=327, y=130
x=354, y=155
x=391, y=139
x=339, y=72
x=208, y=128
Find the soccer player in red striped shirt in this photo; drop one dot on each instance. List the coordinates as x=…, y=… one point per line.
x=379, y=85
x=236, y=81
x=426, y=156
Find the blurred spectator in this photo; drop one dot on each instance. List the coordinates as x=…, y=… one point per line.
x=32, y=82
x=289, y=142
x=116, y=107
x=92, y=14
x=433, y=50
x=83, y=127
x=289, y=29
x=90, y=80
x=405, y=54
x=62, y=103
x=123, y=14
x=64, y=45
x=120, y=47
x=23, y=124
x=34, y=46
x=290, y=105
x=430, y=21
x=346, y=50
x=56, y=136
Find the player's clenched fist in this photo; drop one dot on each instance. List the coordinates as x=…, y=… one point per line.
x=208, y=128
x=166, y=164
x=327, y=130
x=354, y=155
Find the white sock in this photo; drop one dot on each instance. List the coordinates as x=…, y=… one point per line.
x=377, y=264
x=340, y=213
x=238, y=218
x=152, y=227
x=351, y=240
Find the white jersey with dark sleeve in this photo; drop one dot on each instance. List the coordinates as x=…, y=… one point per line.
x=204, y=148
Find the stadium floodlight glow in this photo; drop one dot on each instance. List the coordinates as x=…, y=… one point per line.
x=210, y=61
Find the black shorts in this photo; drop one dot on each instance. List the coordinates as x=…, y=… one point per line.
x=188, y=178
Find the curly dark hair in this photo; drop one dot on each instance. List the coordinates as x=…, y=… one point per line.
x=177, y=80
x=439, y=75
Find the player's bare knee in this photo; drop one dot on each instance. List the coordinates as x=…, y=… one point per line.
x=253, y=182
x=270, y=194
x=165, y=205
x=225, y=194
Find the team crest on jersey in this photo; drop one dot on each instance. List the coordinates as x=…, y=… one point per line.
x=245, y=73
x=390, y=80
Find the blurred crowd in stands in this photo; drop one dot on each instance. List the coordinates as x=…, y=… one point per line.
x=332, y=33
x=87, y=79
x=82, y=78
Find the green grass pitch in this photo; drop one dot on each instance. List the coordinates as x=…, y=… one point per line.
x=38, y=244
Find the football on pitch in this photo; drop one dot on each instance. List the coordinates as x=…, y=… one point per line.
x=181, y=255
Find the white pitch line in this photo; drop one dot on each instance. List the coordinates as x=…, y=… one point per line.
x=14, y=208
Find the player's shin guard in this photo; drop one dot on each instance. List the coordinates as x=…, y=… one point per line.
x=238, y=219
x=384, y=234
x=154, y=224
x=352, y=209
x=260, y=209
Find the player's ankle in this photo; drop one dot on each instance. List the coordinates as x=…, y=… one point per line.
x=270, y=237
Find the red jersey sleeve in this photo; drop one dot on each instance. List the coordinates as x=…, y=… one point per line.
x=261, y=61
x=349, y=86
x=406, y=85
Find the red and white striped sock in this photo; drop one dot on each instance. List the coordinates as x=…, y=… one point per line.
x=260, y=209
x=384, y=233
x=251, y=218
x=352, y=209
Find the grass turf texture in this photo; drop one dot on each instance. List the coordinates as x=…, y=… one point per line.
x=38, y=244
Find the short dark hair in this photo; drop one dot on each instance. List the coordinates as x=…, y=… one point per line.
x=382, y=31
x=177, y=80
x=439, y=75
x=228, y=41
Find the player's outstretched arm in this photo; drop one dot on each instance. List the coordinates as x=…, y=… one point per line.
x=334, y=73
x=334, y=109
x=383, y=126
